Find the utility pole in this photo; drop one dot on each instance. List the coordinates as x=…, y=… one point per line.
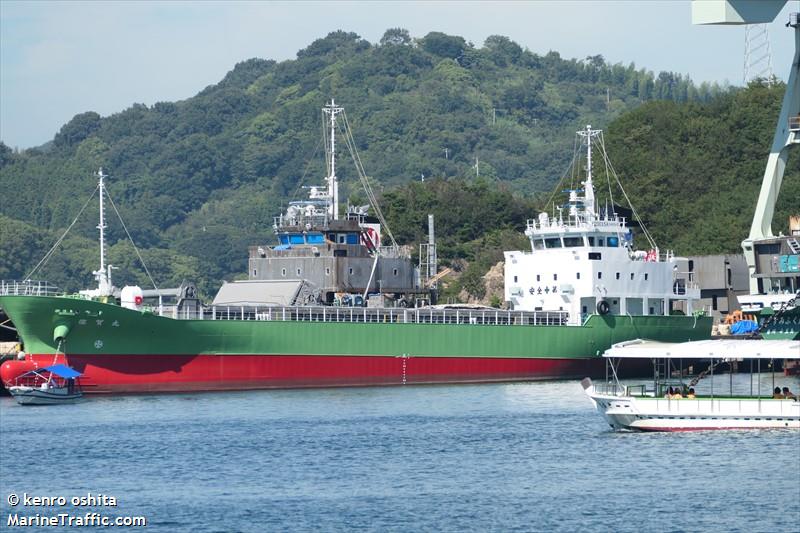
x=447, y=153
x=494, y=114
x=477, y=168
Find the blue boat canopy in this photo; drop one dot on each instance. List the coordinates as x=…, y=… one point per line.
x=63, y=371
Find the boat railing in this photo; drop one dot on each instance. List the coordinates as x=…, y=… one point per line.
x=486, y=317
x=610, y=389
x=28, y=288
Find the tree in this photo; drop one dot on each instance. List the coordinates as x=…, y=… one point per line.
x=396, y=37
x=76, y=130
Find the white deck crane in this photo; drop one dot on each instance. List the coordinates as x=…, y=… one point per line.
x=787, y=131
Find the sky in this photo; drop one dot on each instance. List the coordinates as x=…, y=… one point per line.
x=58, y=59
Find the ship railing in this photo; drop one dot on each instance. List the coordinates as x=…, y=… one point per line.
x=486, y=317
x=575, y=221
x=28, y=288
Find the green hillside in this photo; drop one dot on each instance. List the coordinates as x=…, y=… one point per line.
x=199, y=180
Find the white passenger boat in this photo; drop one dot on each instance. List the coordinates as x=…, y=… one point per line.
x=47, y=386
x=666, y=403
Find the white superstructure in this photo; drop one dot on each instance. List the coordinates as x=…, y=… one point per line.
x=582, y=261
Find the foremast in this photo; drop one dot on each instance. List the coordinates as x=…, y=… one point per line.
x=103, y=274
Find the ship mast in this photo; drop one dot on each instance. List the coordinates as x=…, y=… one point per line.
x=588, y=185
x=333, y=185
x=103, y=275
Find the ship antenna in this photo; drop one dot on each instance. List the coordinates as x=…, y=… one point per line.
x=333, y=185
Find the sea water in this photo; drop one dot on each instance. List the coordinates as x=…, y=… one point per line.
x=490, y=457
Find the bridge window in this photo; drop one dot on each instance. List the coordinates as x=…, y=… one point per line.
x=552, y=243
x=538, y=244
x=573, y=242
x=352, y=238
x=296, y=239
x=591, y=241
x=601, y=241
x=613, y=242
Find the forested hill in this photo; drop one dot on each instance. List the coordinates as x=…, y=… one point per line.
x=198, y=180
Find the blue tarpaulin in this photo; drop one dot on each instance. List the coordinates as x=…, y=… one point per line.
x=743, y=327
x=63, y=371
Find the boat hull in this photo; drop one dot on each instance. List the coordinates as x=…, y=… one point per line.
x=121, y=350
x=25, y=395
x=697, y=414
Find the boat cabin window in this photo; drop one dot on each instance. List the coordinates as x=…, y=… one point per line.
x=553, y=242
x=352, y=238
x=341, y=238
x=296, y=239
x=538, y=244
x=332, y=237
x=573, y=242
x=601, y=241
x=591, y=241
x=284, y=239
x=595, y=256
x=315, y=238
x=613, y=242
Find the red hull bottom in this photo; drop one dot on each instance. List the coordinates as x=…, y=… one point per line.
x=184, y=373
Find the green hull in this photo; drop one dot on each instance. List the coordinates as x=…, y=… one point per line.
x=121, y=350
x=108, y=329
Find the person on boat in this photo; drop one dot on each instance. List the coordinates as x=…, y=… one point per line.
x=677, y=395
x=777, y=395
x=669, y=393
x=788, y=394
x=691, y=393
